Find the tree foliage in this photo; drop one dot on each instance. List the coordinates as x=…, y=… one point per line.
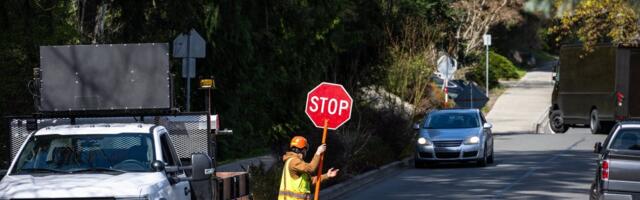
x=264, y=55
x=596, y=21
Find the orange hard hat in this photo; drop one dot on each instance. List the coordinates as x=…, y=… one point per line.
x=298, y=142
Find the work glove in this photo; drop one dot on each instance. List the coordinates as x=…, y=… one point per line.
x=321, y=149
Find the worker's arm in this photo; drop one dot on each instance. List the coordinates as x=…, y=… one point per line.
x=330, y=174
x=314, y=179
x=299, y=166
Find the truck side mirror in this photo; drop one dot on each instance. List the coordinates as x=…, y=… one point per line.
x=201, y=167
x=158, y=165
x=597, y=148
x=201, y=173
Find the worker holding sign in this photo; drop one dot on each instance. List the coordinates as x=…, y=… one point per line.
x=328, y=107
x=296, y=180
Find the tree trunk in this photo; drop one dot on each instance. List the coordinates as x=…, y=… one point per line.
x=98, y=30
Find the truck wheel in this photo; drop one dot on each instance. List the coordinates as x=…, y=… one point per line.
x=556, y=122
x=594, y=122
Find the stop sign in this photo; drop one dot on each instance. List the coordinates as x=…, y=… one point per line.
x=329, y=101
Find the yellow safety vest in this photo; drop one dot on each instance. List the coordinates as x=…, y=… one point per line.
x=294, y=189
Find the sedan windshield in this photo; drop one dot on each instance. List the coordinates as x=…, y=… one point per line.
x=627, y=139
x=126, y=152
x=452, y=121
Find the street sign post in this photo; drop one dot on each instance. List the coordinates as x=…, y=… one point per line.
x=329, y=107
x=486, y=38
x=447, y=66
x=189, y=47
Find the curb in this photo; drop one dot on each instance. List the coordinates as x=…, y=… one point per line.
x=337, y=191
x=541, y=125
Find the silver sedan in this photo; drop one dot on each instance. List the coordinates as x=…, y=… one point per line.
x=454, y=135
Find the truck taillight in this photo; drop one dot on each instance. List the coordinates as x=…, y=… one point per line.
x=620, y=98
x=604, y=172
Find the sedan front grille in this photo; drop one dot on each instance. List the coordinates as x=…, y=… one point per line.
x=448, y=143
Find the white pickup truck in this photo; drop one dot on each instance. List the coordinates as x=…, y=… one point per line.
x=105, y=161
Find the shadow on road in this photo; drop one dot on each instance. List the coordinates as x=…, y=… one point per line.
x=514, y=175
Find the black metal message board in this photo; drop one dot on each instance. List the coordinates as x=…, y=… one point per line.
x=103, y=77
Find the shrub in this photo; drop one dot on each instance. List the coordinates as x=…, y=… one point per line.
x=265, y=183
x=500, y=68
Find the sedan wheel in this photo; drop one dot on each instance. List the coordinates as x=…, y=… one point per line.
x=418, y=164
x=490, y=159
x=483, y=161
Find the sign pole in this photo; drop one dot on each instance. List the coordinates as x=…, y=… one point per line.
x=471, y=90
x=487, y=64
x=319, y=176
x=446, y=83
x=188, y=82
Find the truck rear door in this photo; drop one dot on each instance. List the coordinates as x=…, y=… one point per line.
x=631, y=96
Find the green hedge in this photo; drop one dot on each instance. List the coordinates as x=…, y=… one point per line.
x=499, y=68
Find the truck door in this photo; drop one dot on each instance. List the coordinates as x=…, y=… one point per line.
x=181, y=189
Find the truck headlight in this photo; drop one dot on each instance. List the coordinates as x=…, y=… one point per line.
x=472, y=140
x=424, y=141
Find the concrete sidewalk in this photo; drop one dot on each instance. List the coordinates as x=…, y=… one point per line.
x=520, y=108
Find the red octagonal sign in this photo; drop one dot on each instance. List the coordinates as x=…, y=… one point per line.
x=329, y=101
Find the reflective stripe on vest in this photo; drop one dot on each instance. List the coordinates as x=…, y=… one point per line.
x=294, y=189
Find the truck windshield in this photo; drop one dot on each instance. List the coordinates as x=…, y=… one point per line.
x=125, y=152
x=450, y=120
x=626, y=139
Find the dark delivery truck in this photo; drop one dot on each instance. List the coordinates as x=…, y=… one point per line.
x=595, y=89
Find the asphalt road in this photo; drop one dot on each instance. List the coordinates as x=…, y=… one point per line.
x=527, y=166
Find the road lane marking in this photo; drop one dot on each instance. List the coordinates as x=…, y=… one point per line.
x=531, y=171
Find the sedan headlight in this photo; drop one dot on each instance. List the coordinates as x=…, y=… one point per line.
x=472, y=140
x=424, y=141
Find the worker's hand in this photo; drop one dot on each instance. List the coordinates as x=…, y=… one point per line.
x=321, y=149
x=332, y=173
